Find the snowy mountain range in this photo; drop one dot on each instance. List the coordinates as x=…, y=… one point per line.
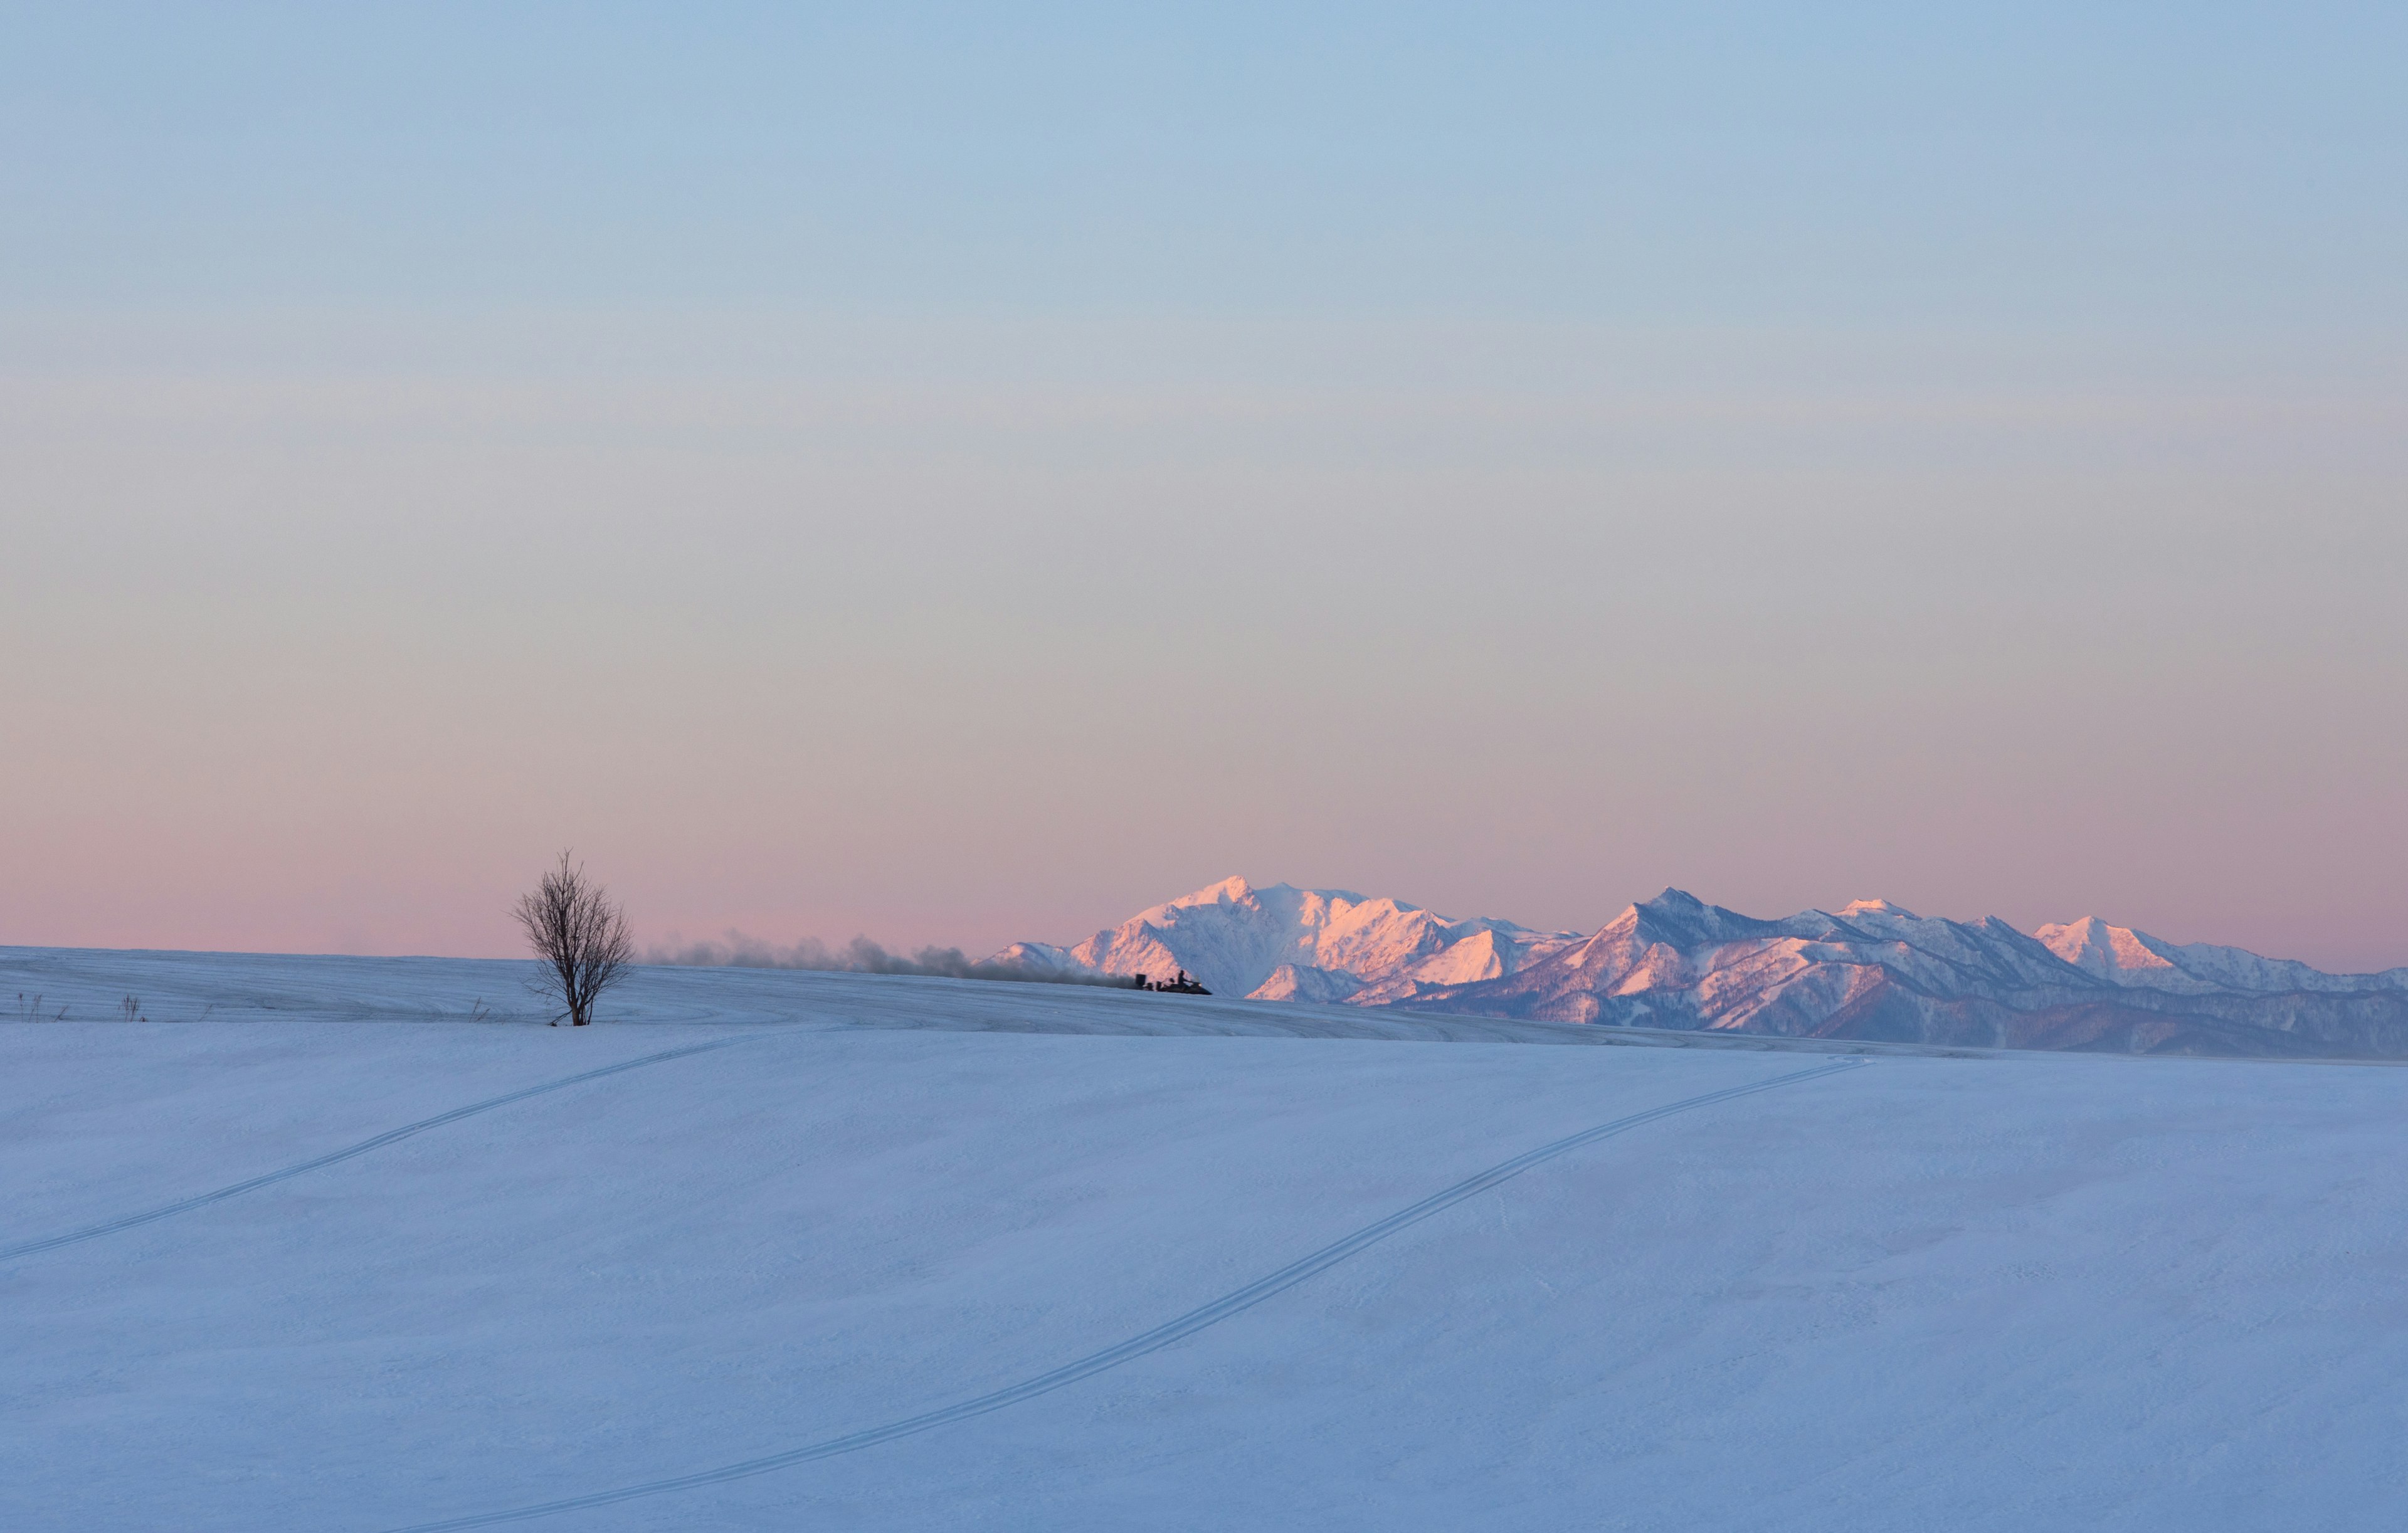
x=1280, y=943
x=1872, y=970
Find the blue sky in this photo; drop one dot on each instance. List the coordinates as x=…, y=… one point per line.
x=2062, y=166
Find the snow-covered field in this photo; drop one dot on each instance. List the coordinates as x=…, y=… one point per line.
x=1929, y=1291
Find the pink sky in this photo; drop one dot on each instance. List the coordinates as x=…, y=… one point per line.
x=333, y=649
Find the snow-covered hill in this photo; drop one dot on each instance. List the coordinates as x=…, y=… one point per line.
x=1870, y=970
x=774, y=1250
x=1284, y=943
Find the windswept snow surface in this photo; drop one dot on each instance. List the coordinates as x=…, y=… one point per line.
x=1934, y=1290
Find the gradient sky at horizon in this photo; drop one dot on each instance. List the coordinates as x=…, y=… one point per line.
x=964, y=474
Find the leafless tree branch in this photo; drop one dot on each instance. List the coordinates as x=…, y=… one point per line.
x=579, y=936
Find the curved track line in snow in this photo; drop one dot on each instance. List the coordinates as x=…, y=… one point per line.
x=1235, y=1302
x=27, y=1248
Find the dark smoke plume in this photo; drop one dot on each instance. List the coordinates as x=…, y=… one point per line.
x=863, y=956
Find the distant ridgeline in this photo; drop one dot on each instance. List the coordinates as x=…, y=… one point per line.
x=1870, y=972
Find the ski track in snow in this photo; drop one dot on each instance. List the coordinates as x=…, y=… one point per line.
x=1968, y=1290
x=1228, y=1305
x=393, y=1136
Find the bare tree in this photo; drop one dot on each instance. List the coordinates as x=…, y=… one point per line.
x=579, y=936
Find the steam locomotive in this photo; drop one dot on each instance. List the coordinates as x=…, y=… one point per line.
x=1180, y=986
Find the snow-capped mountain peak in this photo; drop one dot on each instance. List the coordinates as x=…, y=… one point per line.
x=1876, y=907
x=1679, y=919
x=2116, y=953
x=1232, y=891
x=2135, y=959
x=1279, y=942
